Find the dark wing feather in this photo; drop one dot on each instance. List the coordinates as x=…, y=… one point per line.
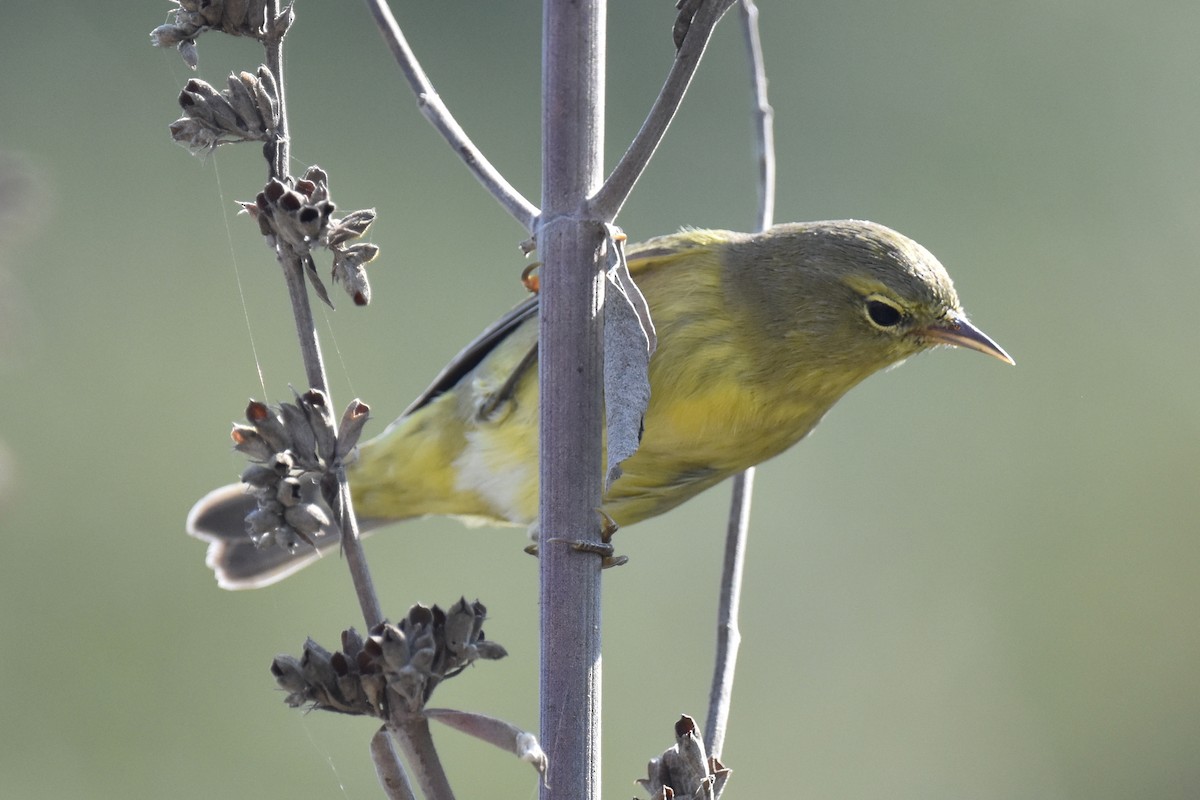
x=655, y=252
x=470, y=356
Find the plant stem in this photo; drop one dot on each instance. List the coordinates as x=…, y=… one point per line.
x=439, y=116
x=292, y=264
x=391, y=774
x=572, y=412
x=413, y=736
x=607, y=202
x=728, y=635
x=764, y=115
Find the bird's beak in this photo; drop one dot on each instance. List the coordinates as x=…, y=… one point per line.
x=958, y=331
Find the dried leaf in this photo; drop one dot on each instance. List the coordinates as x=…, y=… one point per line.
x=629, y=341
x=506, y=736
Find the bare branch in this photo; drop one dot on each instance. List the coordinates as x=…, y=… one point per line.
x=388, y=768
x=607, y=202
x=416, y=742
x=729, y=637
x=764, y=116
x=497, y=732
x=728, y=634
x=439, y=116
x=310, y=348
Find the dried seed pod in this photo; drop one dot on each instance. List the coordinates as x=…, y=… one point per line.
x=250, y=442
x=245, y=111
x=262, y=521
x=398, y=663
x=319, y=415
x=307, y=518
x=244, y=103
x=349, y=269
x=259, y=476
x=685, y=770
x=353, y=421
x=234, y=17
x=351, y=226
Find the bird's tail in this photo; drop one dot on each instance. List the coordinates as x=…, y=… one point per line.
x=219, y=518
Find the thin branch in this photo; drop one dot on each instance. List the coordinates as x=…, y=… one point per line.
x=388, y=768
x=728, y=635
x=278, y=148
x=356, y=558
x=439, y=116
x=310, y=349
x=413, y=736
x=278, y=154
x=607, y=202
x=764, y=116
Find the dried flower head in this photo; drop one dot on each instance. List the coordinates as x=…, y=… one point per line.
x=299, y=213
x=395, y=669
x=295, y=211
x=235, y=17
x=684, y=770
x=293, y=450
x=350, y=260
x=247, y=111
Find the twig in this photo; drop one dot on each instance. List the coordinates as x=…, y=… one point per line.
x=413, y=736
x=570, y=370
x=386, y=760
x=277, y=167
x=607, y=202
x=391, y=774
x=310, y=349
x=728, y=635
x=439, y=116
x=764, y=116
x=356, y=558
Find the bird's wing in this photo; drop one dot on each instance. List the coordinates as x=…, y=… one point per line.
x=643, y=257
x=475, y=352
x=662, y=251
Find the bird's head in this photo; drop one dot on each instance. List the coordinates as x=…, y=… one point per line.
x=848, y=296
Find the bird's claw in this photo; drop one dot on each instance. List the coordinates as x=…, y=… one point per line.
x=602, y=548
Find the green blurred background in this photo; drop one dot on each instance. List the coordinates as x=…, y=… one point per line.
x=973, y=581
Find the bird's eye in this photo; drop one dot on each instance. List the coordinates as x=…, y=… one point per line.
x=883, y=313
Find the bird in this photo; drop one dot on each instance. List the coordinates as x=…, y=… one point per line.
x=758, y=336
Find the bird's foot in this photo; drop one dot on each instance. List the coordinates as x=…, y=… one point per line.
x=603, y=548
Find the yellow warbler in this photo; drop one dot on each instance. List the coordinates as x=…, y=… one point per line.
x=758, y=336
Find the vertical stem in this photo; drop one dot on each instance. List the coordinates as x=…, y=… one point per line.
x=306, y=329
x=764, y=116
x=277, y=153
x=570, y=370
x=356, y=559
x=276, y=150
x=729, y=636
x=391, y=775
x=413, y=736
